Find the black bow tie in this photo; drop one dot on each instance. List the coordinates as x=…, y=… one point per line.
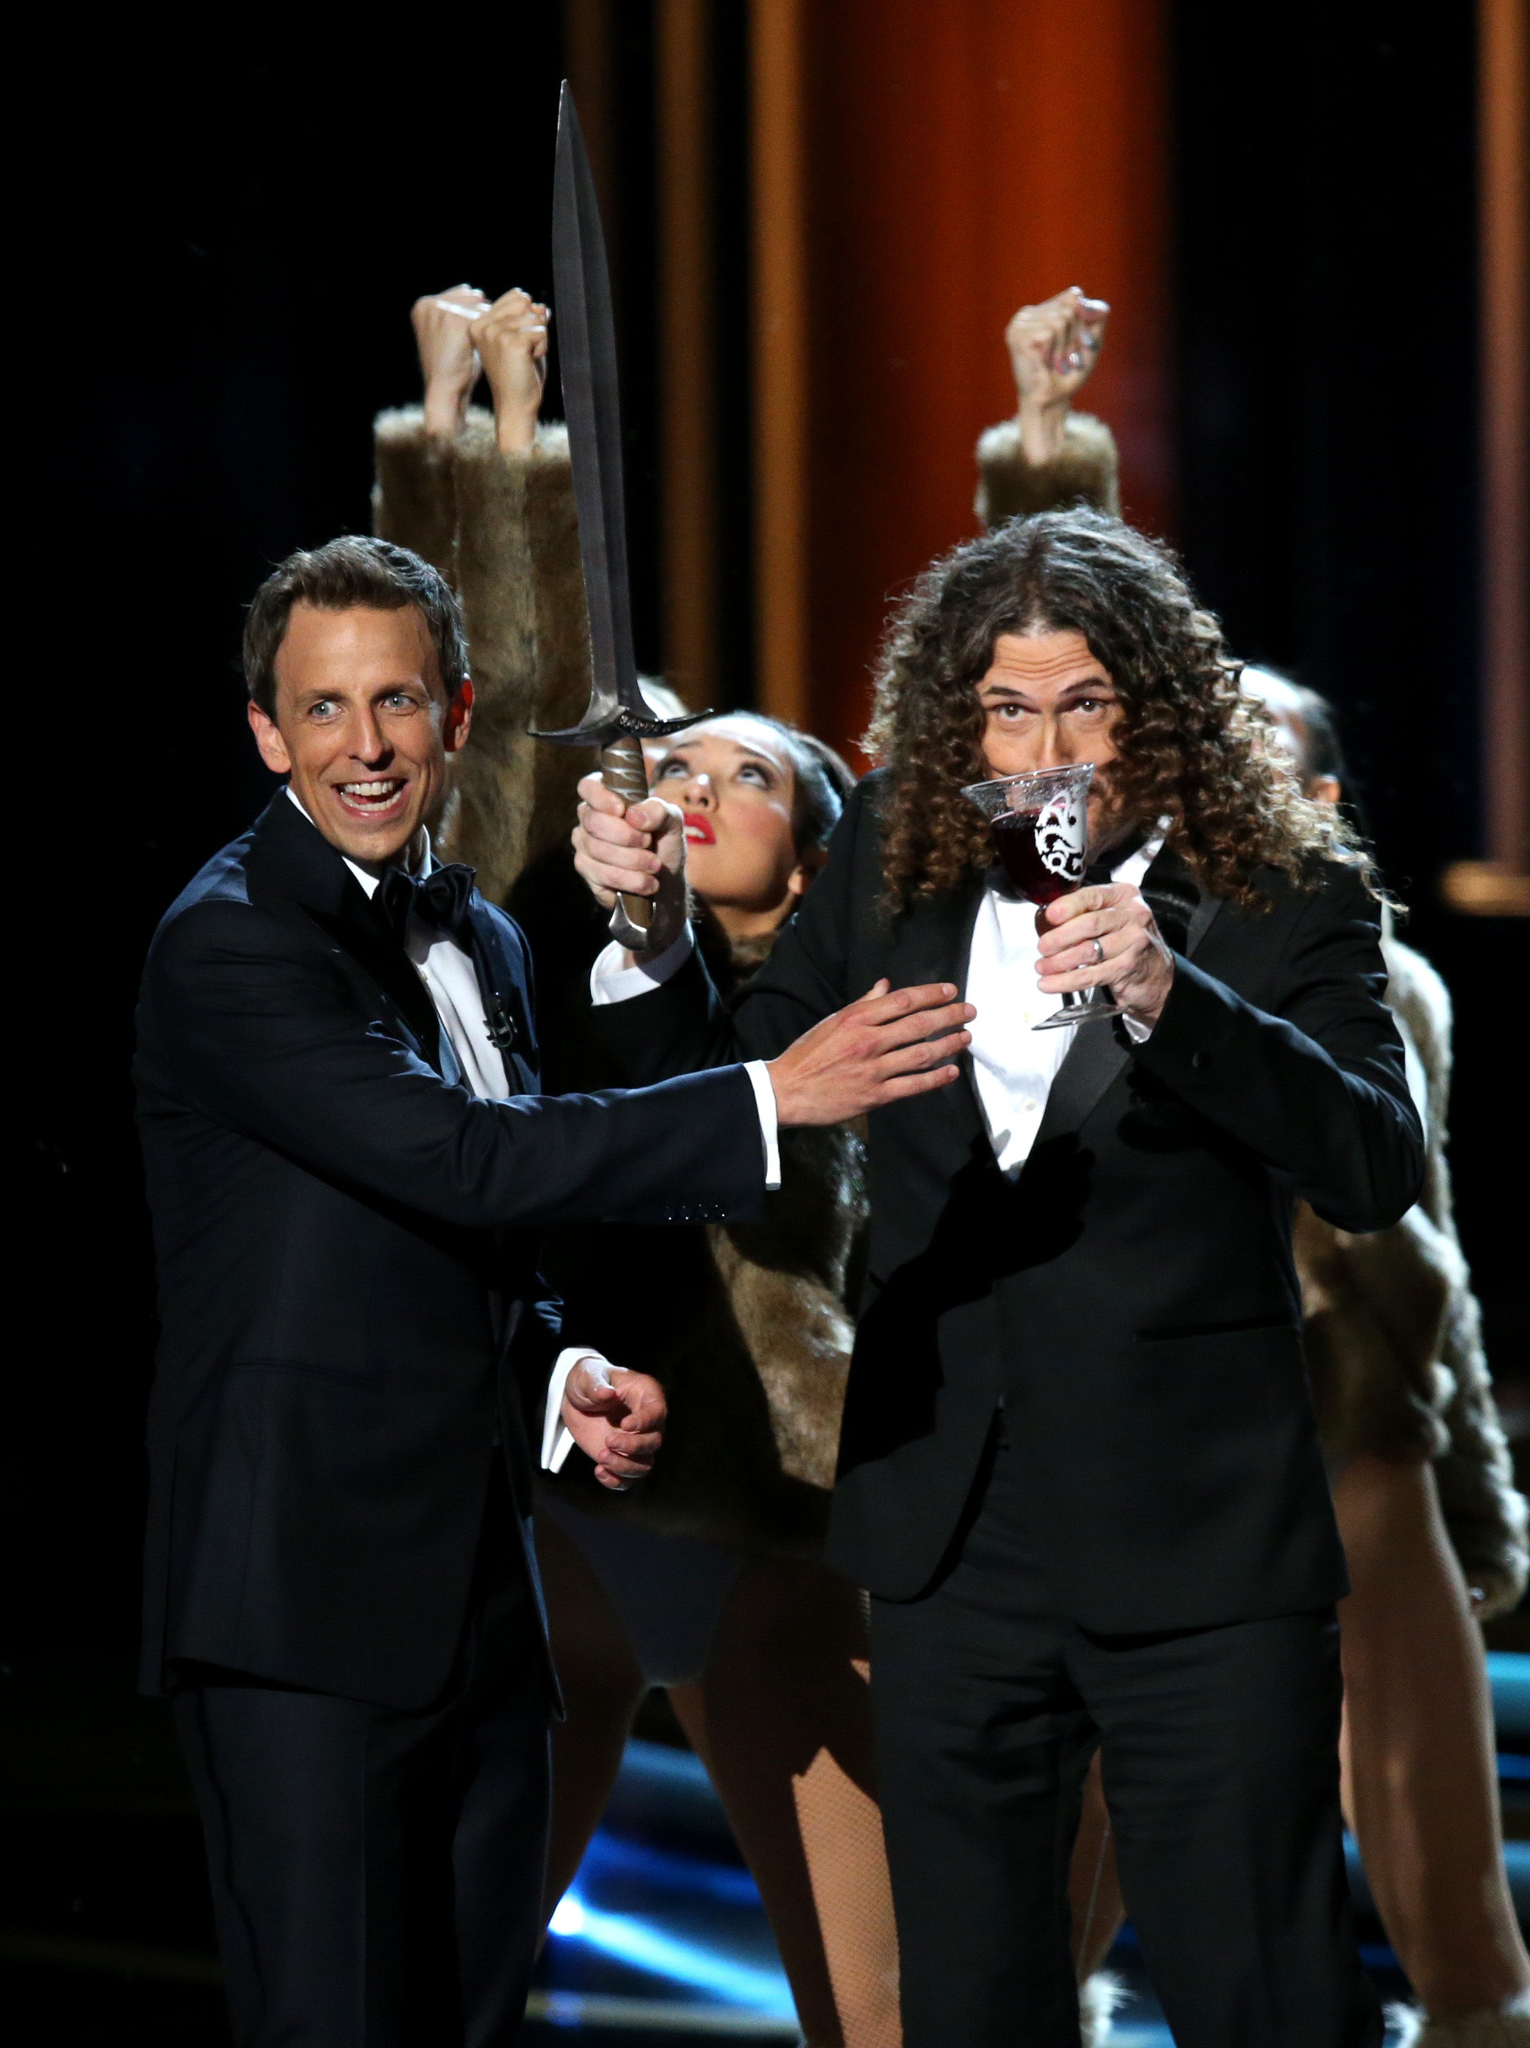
x=1104, y=869
x=442, y=899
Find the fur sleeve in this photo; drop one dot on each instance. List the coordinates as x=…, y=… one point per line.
x=1086, y=471
x=412, y=494
x=1484, y=1512
x=1394, y=1338
x=503, y=529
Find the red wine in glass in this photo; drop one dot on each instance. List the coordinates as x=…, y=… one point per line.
x=1014, y=841
x=1039, y=827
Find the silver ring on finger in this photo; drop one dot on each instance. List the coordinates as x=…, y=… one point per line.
x=1099, y=953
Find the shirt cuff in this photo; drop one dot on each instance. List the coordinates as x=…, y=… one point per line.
x=556, y=1440
x=611, y=982
x=765, y=1103
x=1138, y=1032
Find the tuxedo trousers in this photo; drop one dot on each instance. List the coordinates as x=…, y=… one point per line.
x=376, y=1875
x=1219, y=1755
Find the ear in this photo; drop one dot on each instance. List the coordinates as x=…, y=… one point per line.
x=273, y=748
x=805, y=871
x=459, y=719
x=1325, y=789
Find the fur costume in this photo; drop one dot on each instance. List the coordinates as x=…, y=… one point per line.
x=747, y=1327
x=749, y=1334
x=1393, y=1331
x=503, y=531
x=1086, y=471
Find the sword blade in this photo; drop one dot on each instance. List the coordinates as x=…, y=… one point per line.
x=592, y=406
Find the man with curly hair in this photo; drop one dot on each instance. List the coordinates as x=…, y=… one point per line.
x=1079, y=1472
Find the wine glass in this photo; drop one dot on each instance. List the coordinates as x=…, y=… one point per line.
x=1040, y=829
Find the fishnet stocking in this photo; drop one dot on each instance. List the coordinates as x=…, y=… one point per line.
x=782, y=1718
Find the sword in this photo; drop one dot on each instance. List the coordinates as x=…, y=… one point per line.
x=618, y=719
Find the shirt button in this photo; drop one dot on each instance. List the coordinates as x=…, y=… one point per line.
x=1030, y=1105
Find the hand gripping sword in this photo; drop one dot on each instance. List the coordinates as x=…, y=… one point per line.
x=618, y=719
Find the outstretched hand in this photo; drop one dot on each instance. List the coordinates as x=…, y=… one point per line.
x=616, y=1418
x=891, y=1044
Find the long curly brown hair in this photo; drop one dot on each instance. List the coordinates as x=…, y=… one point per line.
x=1192, y=748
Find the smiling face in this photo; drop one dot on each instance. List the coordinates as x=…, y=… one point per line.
x=1048, y=703
x=737, y=786
x=363, y=726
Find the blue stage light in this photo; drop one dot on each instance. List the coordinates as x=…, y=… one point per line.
x=615, y=1856
x=644, y=1947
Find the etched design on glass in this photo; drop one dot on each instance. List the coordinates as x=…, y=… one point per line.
x=1039, y=827
x=1061, y=831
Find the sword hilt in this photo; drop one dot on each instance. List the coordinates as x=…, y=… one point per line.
x=625, y=774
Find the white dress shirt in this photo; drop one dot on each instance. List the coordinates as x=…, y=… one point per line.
x=1013, y=1065
x=452, y=982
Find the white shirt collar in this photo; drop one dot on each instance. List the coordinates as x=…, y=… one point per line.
x=368, y=882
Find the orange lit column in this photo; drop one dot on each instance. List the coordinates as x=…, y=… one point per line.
x=949, y=164
x=1500, y=885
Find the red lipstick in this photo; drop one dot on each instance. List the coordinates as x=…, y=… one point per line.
x=698, y=830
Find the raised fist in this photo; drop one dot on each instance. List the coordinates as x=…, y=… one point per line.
x=511, y=339
x=1052, y=348
x=443, y=331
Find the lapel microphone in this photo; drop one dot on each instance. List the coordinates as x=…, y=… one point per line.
x=502, y=1031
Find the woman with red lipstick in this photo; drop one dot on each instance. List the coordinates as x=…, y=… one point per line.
x=710, y=1585
x=717, y=1592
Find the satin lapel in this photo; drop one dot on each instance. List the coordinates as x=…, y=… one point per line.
x=1093, y=1061
x=504, y=1005
x=934, y=943
x=1100, y=1051
x=959, y=976
x=1206, y=912
x=360, y=928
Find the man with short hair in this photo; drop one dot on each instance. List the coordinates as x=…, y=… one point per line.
x=348, y=1158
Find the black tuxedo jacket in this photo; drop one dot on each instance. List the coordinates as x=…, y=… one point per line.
x=349, y=1301
x=1130, y=1297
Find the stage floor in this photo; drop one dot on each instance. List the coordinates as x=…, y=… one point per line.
x=105, y=1939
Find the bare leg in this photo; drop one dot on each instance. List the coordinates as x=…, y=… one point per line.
x=602, y=1689
x=1420, y=1783
x=782, y=1719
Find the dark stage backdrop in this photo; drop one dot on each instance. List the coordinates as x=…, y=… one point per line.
x=221, y=250
x=1327, y=377
x=224, y=252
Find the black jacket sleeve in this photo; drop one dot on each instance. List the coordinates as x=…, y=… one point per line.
x=244, y=1027
x=1317, y=1089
